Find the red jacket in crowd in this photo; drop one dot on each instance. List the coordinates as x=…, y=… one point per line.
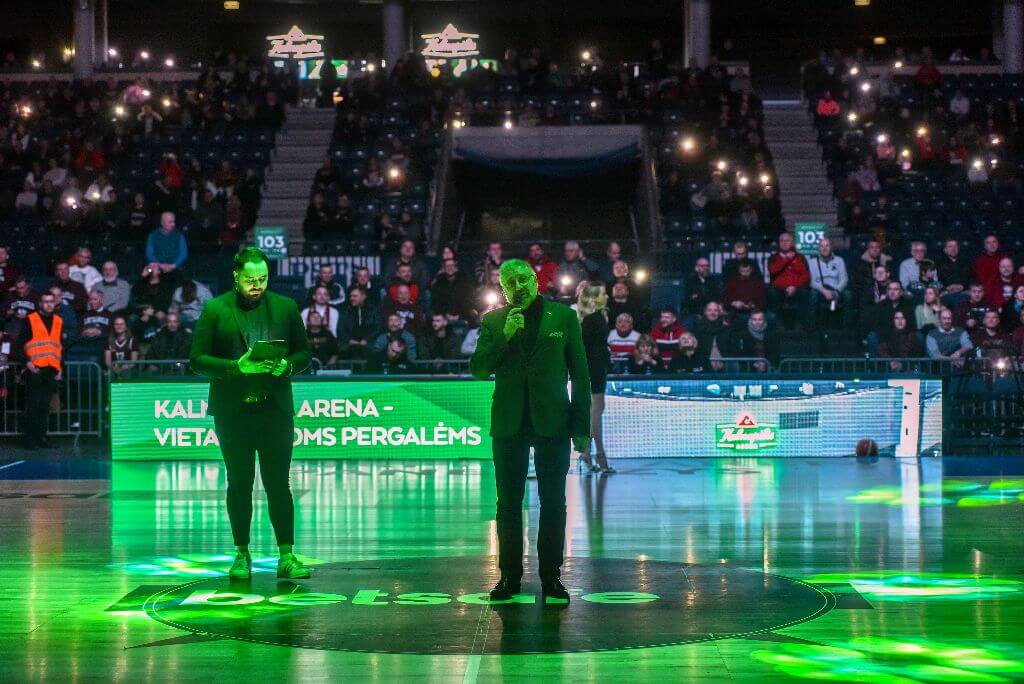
x=998, y=291
x=93, y=159
x=667, y=341
x=986, y=267
x=545, y=270
x=789, y=271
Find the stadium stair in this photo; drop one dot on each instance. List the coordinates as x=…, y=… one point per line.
x=803, y=184
x=301, y=145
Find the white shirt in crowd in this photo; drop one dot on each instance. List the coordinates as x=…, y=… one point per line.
x=831, y=272
x=87, y=275
x=327, y=312
x=622, y=348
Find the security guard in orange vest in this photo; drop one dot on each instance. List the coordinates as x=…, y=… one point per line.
x=41, y=341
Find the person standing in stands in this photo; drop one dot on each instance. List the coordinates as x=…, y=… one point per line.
x=41, y=342
x=251, y=401
x=594, y=323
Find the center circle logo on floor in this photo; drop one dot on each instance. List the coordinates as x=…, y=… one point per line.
x=440, y=606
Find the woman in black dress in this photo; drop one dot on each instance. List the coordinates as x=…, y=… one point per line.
x=590, y=306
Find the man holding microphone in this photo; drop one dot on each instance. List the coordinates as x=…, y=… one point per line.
x=533, y=346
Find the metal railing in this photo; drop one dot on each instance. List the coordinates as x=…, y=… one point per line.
x=924, y=366
x=77, y=410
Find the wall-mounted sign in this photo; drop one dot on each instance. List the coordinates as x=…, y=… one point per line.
x=295, y=45
x=450, y=43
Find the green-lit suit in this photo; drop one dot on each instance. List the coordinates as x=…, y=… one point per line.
x=556, y=356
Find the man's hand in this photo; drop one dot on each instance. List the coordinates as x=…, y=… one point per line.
x=59, y=375
x=581, y=443
x=514, y=322
x=249, y=367
x=790, y=290
x=280, y=368
x=33, y=368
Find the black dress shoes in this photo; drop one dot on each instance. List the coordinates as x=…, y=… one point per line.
x=505, y=589
x=555, y=591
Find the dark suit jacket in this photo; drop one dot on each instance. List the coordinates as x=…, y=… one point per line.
x=219, y=340
x=557, y=356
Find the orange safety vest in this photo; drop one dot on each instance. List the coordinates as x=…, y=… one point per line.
x=44, y=349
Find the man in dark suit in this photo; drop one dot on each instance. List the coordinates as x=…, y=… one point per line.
x=251, y=401
x=532, y=347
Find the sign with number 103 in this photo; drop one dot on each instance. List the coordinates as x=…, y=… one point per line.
x=272, y=241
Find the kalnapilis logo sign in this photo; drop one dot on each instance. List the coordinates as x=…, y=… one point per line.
x=440, y=606
x=746, y=434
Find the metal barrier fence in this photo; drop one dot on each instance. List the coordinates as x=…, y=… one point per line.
x=939, y=368
x=78, y=408
x=980, y=391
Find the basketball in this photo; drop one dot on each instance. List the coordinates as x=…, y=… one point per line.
x=867, y=447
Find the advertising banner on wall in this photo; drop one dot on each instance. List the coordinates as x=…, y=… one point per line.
x=441, y=419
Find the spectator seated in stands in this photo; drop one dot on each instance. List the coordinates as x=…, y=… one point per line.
x=574, y=268
x=999, y=289
x=986, y=264
x=990, y=342
x=646, y=359
x=740, y=254
x=829, y=283
x=926, y=314
x=790, y=281
x=757, y=338
x=666, y=335
x=622, y=301
x=395, y=331
x=329, y=316
x=492, y=261
x=18, y=303
x=953, y=272
x=441, y=342
x=166, y=246
x=73, y=292
x=605, y=271
x=95, y=320
x=969, y=313
x=322, y=342
x=744, y=292
x=395, y=359
x=358, y=325
x=402, y=305
x=171, y=342
x=622, y=340
x=189, y=299
x=691, y=357
x=1009, y=314
x=882, y=315
x=900, y=341
x=81, y=269
x=325, y=278
x=452, y=291
x=714, y=334
x=121, y=346
x=545, y=268
x=700, y=287
x=947, y=342
x=403, y=277
x=863, y=276
x=154, y=290
x=407, y=256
